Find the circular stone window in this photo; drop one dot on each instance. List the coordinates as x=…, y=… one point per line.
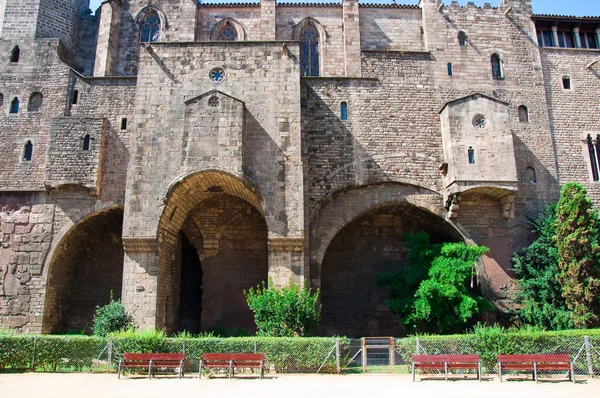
x=480, y=121
x=217, y=75
x=213, y=101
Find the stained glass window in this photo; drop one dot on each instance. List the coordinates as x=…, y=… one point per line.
x=150, y=27
x=216, y=75
x=480, y=121
x=309, y=51
x=228, y=33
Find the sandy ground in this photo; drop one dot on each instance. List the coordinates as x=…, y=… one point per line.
x=41, y=385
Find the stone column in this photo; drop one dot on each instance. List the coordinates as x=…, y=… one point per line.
x=108, y=38
x=267, y=19
x=351, y=38
x=140, y=280
x=286, y=261
x=555, y=36
x=577, y=37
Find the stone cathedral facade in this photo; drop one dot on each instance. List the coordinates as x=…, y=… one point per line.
x=175, y=153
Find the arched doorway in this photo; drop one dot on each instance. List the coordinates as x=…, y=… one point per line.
x=86, y=266
x=212, y=247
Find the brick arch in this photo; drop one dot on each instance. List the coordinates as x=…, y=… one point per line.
x=183, y=195
x=350, y=205
x=84, y=264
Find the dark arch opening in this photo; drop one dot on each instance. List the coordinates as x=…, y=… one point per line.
x=35, y=102
x=87, y=265
x=15, y=54
x=86, y=142
x=14, y=106
x=353, y=304
x=223, y=251
x=28, y=151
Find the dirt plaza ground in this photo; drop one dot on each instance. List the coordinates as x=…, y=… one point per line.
x=41, y=385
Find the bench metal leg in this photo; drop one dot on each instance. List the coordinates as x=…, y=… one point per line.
x=149, y=369
x=413, y=371
x=479, y=370
x=261, y=370
x=572, y=373
x=446, y=370
x=535, y=375
x=230, y=368
x=180, y=369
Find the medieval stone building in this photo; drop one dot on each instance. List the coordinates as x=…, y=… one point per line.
x=177, y=153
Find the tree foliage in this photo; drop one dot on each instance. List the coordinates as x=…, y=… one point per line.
x=287, y=312
x=578, y=247
x=536, y=269
x=111, y=318
x=434, y=287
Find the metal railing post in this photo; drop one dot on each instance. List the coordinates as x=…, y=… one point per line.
x=588, y=355
x=392, y=348
x=110, y=349
x=34, y=352
x=364, y=355
x=418, y=346
x=337, y=355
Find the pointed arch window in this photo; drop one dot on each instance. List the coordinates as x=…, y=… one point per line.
x=496, y=66
x=14, y=106
x=15, y=54
x=150, y=27
x=228, y=33
x=35, y=102
x=27, y=151
x=471, y=155
x=86, y=142
x=309, y=51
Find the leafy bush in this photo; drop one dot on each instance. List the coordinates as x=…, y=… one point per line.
x=111, y=318
x=537, y=269
x=290, y=311
x=434, y=287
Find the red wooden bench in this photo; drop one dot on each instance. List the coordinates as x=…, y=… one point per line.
x=535, y=363
x=231, y=361
x=152, y=361
x=446, y=363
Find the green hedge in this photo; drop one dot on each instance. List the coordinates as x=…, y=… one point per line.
x=81, y=353
x=489, y=342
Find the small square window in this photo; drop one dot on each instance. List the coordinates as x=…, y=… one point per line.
x=566, y=82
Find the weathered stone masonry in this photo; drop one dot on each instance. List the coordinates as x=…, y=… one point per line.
x=178, y=171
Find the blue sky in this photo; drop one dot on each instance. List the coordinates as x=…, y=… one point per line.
x=561, y=7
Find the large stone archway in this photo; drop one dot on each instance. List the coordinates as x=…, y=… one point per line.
x=220, y=217
x=359, y=234
x=86, y=266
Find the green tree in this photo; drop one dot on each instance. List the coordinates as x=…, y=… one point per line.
x=578, y=254
x=290, y=311
x=111, y=317
x=536, y=268
x=434, y=287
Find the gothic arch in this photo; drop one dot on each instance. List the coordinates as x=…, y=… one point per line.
x=83, y=265
x=216, y=31
x=144, y=12
x=351, y=204
x=310, y=21
x=312, y=37
x=190, y=199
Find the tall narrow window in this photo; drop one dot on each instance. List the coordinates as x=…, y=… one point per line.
x=462, y=38
x=450, y=69
x=75, y=97
x=228, y=33
x=86, y=142
x=14, y=106
x=1, y=99
x=150, y=27
x=471, y=154
x=15, y=54
x=35, y=102
x=309, y=51
x=593, y=157
x=566, y=82
x=496, y=66
x=124, y=123
x=597, y=147
x=28, y=151
x=344, y=110
x=523, y=114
